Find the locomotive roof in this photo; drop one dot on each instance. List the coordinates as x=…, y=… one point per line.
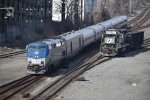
x=51, y=41
x=69, y=35
x=39, y=43
x=86, y=32
x=97, y=28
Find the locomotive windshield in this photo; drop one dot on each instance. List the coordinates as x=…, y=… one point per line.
x=37, y=51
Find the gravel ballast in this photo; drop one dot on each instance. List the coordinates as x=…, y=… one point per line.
x=12, y=68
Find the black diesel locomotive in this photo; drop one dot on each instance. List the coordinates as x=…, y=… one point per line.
x=117, y=41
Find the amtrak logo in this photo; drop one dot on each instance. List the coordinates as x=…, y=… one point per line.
x=36, y=52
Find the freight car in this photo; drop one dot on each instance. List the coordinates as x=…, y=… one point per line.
x=116, y=41
x=43, y=56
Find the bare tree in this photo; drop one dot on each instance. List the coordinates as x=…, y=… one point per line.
x=70, y=10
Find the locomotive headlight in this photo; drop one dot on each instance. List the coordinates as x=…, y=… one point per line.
x=42, y=62
x=30, y=62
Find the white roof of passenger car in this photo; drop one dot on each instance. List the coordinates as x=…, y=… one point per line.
x=69, y=35
x=87, y=32
x=97, y=28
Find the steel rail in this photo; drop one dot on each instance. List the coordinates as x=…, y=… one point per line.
x=56, y=86
x=138, y=17
x=146, y=16
x=145, y=26
x=12, y=54
x=9, y=90
x=8, y=86
x=69, y=72
x=146, y=43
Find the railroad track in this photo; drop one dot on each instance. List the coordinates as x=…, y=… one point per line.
x=23, y=86
x=11, y=89
x=12, y=53
x=146, y=42
x=137, y=22
x=19, y=88
x=141, y=21
x=145, y=26
x=138, y=17
x=50, y=91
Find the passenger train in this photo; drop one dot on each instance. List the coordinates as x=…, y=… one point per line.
x=43, y=56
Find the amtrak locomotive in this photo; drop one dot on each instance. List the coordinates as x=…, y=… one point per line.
x=43, y=56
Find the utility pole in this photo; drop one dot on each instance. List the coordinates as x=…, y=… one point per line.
x=130, y=7
x=63, y=11
x=76, y=15
x=81, y=13
x=45, y=17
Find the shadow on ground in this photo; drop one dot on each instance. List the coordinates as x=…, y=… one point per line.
x=144, y=48
x=136, y=52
